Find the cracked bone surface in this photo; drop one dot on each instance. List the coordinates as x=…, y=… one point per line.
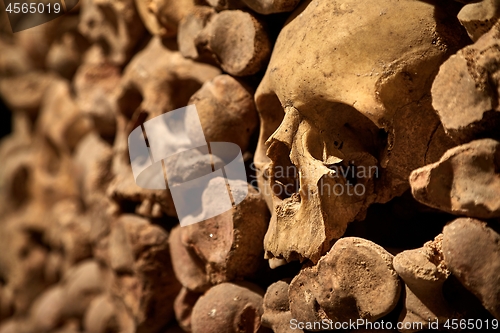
x=360, y=95
x=355, y=280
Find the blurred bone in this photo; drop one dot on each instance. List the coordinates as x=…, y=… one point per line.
x=228, y=307
x=114, y=25
x=162, y=17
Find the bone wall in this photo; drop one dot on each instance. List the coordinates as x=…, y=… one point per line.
x=370, y=134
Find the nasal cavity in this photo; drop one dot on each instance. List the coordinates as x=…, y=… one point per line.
x=284, y=175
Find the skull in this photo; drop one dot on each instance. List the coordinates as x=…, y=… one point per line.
x=114, y=25
x=357, y=115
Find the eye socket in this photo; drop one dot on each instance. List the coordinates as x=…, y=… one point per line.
x=322, y=148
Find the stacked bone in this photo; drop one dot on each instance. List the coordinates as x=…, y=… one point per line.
x=374, y=173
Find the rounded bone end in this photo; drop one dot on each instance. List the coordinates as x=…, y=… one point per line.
x=355, y=280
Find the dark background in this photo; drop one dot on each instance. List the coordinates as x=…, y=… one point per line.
x=5, y=119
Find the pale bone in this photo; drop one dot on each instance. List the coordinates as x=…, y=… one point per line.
x=189, y=29
x=228, y=307
x=156, y=80
x=114, y=24
x=161, y=17
x=65, y=52
x=276, y=306
x=84, y=282
x=155, y=74
x=479, y=18
x=95, y=85
x=183, y=307
x=60, y=119
x=25, y=92
x=271, y=6
x=230, y=102
x=146, y=260
x=241, y=51
x=473, y=74
x=451, y=183
x=107, y=313
x=336, y=96
x=213, y=251
x=471, y=251
x=355, y=280
x=424, y=272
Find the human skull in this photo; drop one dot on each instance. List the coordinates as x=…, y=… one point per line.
x=114, y=25
x=357, y=112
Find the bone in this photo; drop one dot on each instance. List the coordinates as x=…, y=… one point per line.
x=156, y=85
x=228, y=307
x=60, y=120
x=424, y=272
x=95, y=85
x=6, y=303
x=93, y=157
x=352, y=95
x=240, y=54
x=222, y=243
x=189, y=29
x=472, y=254
x=354, y=280
x=183, y=307
x=13, y=60
x=448, y=184
x=146, y=92
x=220, y=5
x=69, y=233
x=105, y=314
x=26, y=92
x=267, y=7
x=46, y=311
x=473, y=73
x=83, y=282
x=147, y=247
x=24, y=272
x=114, y=25
x=162, y=17
x=478, y=18
x=229, y=100
x=66, y=51
x=188, y=267
x=277, y=315
x=380, y=123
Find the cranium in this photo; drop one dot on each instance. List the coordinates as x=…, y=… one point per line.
x=357, y=112
x=114, y=25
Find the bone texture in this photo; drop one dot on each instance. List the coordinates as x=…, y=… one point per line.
x=369, y=133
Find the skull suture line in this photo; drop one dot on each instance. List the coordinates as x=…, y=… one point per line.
x=351, y=99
